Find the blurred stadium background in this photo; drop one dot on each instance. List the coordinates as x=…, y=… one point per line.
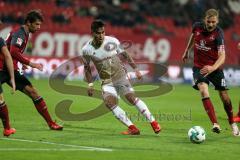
x=157, y=31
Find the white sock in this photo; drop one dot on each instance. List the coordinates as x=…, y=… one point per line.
x=121, y=116
x=141, y=106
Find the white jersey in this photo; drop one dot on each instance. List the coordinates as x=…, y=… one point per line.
x=105, y=58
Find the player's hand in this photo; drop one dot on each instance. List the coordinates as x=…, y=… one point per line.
x=12, y=82
x=138, y=74
x=90, y=91
x=206, y=70
x=185, y=57
x=24, y=67
x=39, y=66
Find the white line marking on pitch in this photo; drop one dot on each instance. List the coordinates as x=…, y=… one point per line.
x=45, y=149
x=76, y=147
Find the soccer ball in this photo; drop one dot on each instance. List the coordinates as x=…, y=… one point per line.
x=197, y=134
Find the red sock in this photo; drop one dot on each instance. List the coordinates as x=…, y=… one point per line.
x=42, y=109
x=209, y=109
x=4, y=115
x=228, y=110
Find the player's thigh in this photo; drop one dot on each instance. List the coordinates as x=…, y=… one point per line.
x=109, y=90
x=4, y=77
x=110, y=95
x=218, y=80
x=198, y=78
x=124, y=87
x=25, y=86
x=203, y=89
x=21, y=81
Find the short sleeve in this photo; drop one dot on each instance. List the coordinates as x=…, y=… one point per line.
x=85, y=56
x=18, y=39
x=195, y=25
x=119, y=47
x=220, y=38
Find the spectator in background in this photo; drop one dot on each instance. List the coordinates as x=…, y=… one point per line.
x=235, y=6
x=64, y=3
x=20, y=18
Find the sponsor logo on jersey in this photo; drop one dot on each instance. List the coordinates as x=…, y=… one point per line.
x=202, y=45
x=19, y=41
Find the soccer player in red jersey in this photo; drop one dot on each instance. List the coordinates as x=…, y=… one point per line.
x=5, y=58
x=209, y=55
x=16, y=42
x=237, y=118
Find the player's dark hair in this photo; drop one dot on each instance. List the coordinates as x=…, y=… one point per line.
x=211, y=12
x=96, y=24
x=33, y=16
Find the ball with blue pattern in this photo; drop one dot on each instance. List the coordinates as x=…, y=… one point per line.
x=197, y=134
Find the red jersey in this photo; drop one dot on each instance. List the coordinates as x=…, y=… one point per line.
x=17, y=42
x=206, y=44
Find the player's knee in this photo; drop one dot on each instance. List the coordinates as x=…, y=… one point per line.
x=224, y=97
x=131, y=98
x=110, y=102
x=32, y=92
x=226, y=100
x=110, y=105
x=204, y=92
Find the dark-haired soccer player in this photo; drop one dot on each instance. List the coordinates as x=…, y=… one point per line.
x=6, y=59
x=104, y=52
x=16, y=42
x=209, y=55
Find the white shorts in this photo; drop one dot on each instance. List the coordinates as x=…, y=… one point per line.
x=120, y=87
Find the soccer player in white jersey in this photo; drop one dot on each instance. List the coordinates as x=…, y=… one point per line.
x=104, y=52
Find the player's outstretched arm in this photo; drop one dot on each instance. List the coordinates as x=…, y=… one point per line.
x=38, y=66
x=132, y=64
x=129, y=60
x=189, y=46
x=9, y=63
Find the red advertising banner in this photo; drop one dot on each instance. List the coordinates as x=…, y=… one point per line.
x=157, y=49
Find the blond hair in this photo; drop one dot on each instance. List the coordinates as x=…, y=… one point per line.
x=211, y=13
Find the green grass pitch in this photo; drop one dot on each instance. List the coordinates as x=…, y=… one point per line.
x=100, y=138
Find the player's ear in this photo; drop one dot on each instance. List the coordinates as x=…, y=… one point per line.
x=28, y=23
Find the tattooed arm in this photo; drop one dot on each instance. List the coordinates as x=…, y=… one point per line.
x=88, y=74
x=132, y=64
